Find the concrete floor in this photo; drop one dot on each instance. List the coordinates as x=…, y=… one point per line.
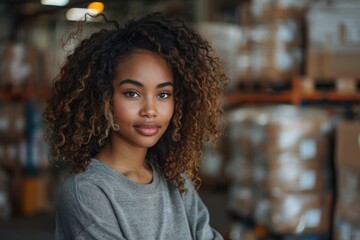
x=37, y=227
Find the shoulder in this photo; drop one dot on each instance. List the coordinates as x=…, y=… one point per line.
x=85, y=183
x=83, y=206
x=83, y=194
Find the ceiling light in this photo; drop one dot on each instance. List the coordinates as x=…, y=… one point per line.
x=55, y=2
x=78, y=14
x=96, y=6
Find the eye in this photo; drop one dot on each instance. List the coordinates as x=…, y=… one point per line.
x=164, y=95
x=131, y=94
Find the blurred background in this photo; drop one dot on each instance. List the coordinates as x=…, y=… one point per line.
x=288, y=165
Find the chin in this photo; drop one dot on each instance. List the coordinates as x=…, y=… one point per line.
x=148, y=144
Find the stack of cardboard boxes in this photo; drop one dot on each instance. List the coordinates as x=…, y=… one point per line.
x=276, y=39
x=294, y=192
x=347, y=217
x=242, y=140
x=266, y=44
x=280, y=168
x=231, y=44
x=333, y=46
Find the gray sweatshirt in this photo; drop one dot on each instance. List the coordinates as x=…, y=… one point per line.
x=101, y=203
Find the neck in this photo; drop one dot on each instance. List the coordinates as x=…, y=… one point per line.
x=121, y=157
x=127, y=160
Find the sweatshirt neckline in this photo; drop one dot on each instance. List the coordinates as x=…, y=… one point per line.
x=126, y=182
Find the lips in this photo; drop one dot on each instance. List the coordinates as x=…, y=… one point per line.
x=147, y=129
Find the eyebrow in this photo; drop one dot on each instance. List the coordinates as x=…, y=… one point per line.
x=139, y=84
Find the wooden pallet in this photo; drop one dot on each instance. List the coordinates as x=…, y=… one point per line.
x=22, y=93
x=339, y=85
x=267, y=87
x=300, y=89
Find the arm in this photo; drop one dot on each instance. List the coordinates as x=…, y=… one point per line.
x=84, y=212
x=198, y=216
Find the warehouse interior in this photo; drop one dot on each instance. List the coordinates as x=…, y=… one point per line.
x=288, y=164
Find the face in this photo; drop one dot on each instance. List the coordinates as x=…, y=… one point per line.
x=143, y=101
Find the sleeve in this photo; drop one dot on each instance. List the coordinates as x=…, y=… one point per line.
x=198, y=216
x=84, y=212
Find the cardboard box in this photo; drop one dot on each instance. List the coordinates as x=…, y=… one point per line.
x=348, y=193
x=241, y=133
x=299, y=136
x=348, y=180
x=299, y=213
x=286, y=32
x=333, y=63
x=274, y=9
x=333, y=40
x=294, y=175
x=228, y=41
x=275, y=61
x=346, y=227
x=291, y=129
x=348, y=145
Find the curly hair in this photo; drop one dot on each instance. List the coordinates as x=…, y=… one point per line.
x=79, y=115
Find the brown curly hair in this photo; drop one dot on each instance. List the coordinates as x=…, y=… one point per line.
x=79, y=115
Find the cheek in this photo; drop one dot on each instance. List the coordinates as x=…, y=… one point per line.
x=123, y=112
x=170, y=111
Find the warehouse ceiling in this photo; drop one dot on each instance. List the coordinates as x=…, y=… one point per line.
x=34, y=8
x=19, y=14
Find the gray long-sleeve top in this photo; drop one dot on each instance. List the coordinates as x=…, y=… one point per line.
x=101, y=203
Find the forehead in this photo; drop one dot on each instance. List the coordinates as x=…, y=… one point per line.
x=144, y=64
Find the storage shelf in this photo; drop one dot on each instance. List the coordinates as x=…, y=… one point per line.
x=23, y=93
x=293, y=96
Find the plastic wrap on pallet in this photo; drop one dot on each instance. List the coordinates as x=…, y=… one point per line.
x=293, y=192
x=346, y=228
x=263, y=10
x=347, y=216
x=333, y=39
x=291, y=129
x=284, y=183
x=276, y=53
x=289, y=173
x=286, y=32
x=348, y=194
x=230, y=42
x=241, y=133
x=275, y=62
x=299, y=213
x=243, y=138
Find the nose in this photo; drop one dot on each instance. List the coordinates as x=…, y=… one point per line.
x=149, y=109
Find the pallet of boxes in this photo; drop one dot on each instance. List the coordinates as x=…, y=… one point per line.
x=281, y=172
x=293, y=194
x=347, y=216
x=333, y=52
x=293, y=183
